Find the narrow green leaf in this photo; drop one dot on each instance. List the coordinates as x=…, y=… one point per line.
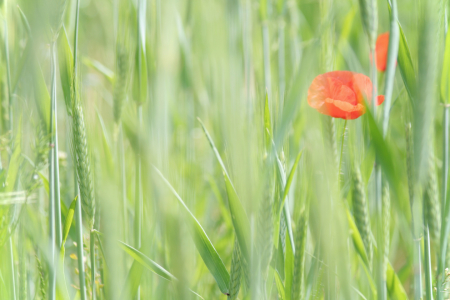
x=280, y=287
x=106, y=145
x=98, y=66
x=65, y=61
x=267, y=123
x=41, y=94
x=405, y=64
x=203, y=244
x=445, y=77
x=237, y=211
x=147, y=262
x=289, y=268
x=14, y=163
x=133, y=281
x=69, y=219
x=285, y=193
x=394, y=286
x=383, y=153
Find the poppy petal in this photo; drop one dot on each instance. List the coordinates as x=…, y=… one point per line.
x=380, y=99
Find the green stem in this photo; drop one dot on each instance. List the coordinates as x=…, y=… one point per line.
x=92, y=255
x=445, y=228
x=78, y=216
x=11, y=265
x=55, y=151
x=394, y=37
x=79, y=229
x=427, y=265
x=52, y=201
x=123, y=180
x=379, y=258
x=8, y=74
x=266, y=59
x=281, y=66
x=138, y=200
x=342, y=151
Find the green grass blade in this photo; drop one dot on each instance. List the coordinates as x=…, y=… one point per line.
x=238, y=215
x=98, y=66
x=280, y=286
x=406, y=65
x=289, y=268
x=65, y=61
x=394, y=37
x=267, y=123
x=445, y=77
x=394, y=286
x=203, y=244
x=68, y=221
x=133, y=281
x=285, y=194
x=147, y=262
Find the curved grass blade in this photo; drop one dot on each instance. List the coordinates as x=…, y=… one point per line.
x=146, y=262
x=203, y=244
x=238, y=215
x=65, y=61
x=149, y=264
x=98, y=66
x=393, y=284
x=280, y=286
x=285, y=193
x=405, y=63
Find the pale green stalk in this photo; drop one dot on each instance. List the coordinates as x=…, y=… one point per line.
x=52, y=190
x=79, y=219
x=266, y=60
x=92, y=255
x=8, y=70
x=11, y=267
x=416, y=241
x=123, y=181
x=445, y=227
x=394, y=37
x=8, y=78
x=427, y=266
x=80, y=255
x=138, y=201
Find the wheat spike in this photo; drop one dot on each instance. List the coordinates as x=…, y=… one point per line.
x=235, y=273
x=369, y=16
x=299, y=259
x=245, y=269
x=361, y=213
x=83, y=164
x=431, y=209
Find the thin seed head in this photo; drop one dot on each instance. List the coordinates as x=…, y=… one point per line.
x=235, y=273
x=299, y=259
x=361, y=212
x=83, y=165
x=369, y=16
x=431, y=205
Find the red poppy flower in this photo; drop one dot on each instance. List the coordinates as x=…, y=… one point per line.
x=381, y=50
x=340, y=94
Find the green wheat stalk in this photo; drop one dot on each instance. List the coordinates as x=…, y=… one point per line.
x=361, y=213
x=235, y=272
x=431, y=205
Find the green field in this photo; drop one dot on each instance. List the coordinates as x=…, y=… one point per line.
x=224, y=149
